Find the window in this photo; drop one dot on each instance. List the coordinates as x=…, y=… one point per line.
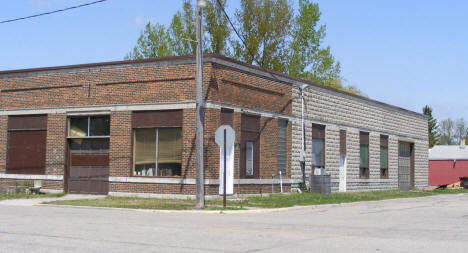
x=249, y=153
x=89, y=126
x=318, y=146
x=158, y=152
x=383, y=156
x=282, y=144
x=250, y=146
x=26, y=146
x=157, y=143
x=364, y=155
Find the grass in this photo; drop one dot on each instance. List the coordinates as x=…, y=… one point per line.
x=289, y=200
x=147, y=203
x=271, y=201
x=4, y=196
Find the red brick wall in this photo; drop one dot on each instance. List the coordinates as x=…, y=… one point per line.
x=126, y=85
x=46, y=184
x=150, y=84
x=188, y=143
x=3, y=142
x=56, y=144
x=120, y=146
x=236, y=87
x=190, y=189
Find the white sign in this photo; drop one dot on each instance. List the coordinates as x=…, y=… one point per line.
x=219, y=139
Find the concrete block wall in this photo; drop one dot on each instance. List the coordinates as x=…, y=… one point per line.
x=421, y=176
x=340, y=111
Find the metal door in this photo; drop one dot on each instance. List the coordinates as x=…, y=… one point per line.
x=88, y=170
x=405, y=166
x=342, y=174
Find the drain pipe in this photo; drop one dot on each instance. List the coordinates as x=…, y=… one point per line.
x=302, y=155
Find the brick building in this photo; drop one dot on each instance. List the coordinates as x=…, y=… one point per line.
x=128, y=127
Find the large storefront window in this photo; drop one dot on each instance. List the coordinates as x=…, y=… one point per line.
x=157, y=152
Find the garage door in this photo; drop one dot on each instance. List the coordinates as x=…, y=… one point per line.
x=405, y=164
x=88, y=169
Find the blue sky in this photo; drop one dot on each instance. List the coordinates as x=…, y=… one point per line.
x=406, y=53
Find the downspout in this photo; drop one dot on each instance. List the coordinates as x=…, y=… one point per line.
x=302, y=155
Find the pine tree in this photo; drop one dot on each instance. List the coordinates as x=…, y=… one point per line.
x=432, y=126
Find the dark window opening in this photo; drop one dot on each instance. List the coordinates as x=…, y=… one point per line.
x=318, y=146
x=89, y=126
x=383, y=156
x=364, y=155
x=250, y=146
x=282, y=146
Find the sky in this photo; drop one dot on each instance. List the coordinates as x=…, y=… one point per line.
x=405, y=53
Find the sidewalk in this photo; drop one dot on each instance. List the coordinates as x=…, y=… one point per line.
x=36, y=201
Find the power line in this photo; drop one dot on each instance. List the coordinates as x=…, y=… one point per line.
x=52, y=12
x=237, y=33
x=243, y=40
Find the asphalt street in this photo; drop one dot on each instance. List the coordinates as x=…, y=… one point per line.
x=430, y=224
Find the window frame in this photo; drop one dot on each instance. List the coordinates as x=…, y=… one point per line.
x=88, y=136
x=155, y=175
x=283, y=125
x=384, y=171
x=364, y=172
x=317, y=130
x=250, y=132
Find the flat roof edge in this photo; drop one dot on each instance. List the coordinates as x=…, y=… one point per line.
x=292, y=80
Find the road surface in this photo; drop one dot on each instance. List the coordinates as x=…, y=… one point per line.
x=429, y=224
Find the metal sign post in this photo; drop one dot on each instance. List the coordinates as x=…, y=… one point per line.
x=225, y=137
x=224, y=174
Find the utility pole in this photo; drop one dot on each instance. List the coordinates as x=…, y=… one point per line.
x=200, y=180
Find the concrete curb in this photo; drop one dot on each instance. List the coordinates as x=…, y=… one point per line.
x=318, y=207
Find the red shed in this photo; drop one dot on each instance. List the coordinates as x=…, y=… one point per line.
x=447, y=163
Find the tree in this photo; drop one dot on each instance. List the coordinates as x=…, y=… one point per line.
x=307, y=59
x=154, y=41
x=271, y=36
x=460, y=129
x=264, y=27
x=217, y=28
x=432, y=126
x=183, y=31
x=446, y=132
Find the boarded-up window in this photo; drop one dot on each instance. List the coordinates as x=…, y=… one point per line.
x=364, y=155
x=250, y=146
x=227, y=116
x=282, y=145
x=342, y=142
x=318, y=146
x=153, y=119
x=26, y=151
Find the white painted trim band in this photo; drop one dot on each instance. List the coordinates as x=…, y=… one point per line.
x=98, y=109
x=191, y=181
x=31, y=177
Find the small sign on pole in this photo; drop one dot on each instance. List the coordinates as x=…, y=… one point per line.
x=225, y=137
